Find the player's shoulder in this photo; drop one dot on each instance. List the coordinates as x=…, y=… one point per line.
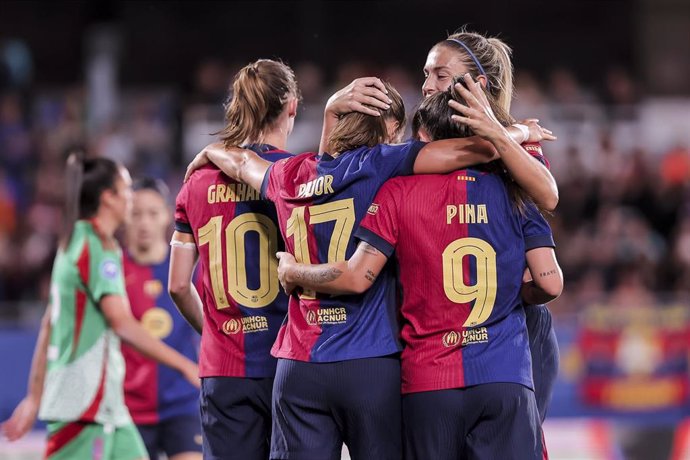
x=87, y=234
x=274, y=155
x=292, y=164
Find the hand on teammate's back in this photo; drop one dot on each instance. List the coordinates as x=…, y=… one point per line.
x=22, y=419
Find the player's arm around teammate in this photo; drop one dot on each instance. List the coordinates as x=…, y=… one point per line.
x=437, y=157
x=357, y=274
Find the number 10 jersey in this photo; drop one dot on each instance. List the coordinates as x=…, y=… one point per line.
x=236, y=233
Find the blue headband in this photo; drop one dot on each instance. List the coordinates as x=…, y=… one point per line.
x=474, y=58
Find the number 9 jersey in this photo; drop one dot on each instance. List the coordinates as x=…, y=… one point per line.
x=461, y=245
x=236, y=233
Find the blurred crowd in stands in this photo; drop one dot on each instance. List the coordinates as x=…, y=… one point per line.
x=622, y=225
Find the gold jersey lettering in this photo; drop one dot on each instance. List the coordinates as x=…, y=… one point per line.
x=482, y=215
x=469, y=214
x=466, y=214
x=322, y=185
x=224, y=193
x=241, y=192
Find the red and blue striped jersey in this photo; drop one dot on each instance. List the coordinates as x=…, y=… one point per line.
x=461, y=247
x=236, y=233
x=154, y=392
x=320, y=202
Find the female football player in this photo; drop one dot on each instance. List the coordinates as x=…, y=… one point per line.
x=78, y=371
x=235, y=234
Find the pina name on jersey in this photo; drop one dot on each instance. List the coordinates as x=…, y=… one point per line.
x=466, y=214
x=222, y=193
x=319, y=186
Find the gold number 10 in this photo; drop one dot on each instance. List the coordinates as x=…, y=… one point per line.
x=235, y=234
x=484, y=291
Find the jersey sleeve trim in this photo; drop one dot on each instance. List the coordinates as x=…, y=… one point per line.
x=265, y=183
x=539, y=241
x=183, y=227
x=375, y=240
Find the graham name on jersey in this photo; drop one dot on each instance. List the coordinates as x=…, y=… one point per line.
x=223, y=193
x=466, y=214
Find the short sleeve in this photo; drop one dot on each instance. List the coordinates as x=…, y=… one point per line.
x=105, y=272
x=182, y=224
x=269, y=184
x=379, y=227
x=392, y=160
x=536, y=231
x=534, y=149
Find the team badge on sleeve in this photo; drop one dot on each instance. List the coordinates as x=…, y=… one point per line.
x=110, y=270
x=373, y=209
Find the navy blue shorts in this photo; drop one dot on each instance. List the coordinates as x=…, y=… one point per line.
x=319, y=406
x=173, y=436
x=490, y=421
x=545, y=358
x=236, y=418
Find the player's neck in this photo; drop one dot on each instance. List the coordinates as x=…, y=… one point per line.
x=151, y=255
x=106, y=224
x=277, y=138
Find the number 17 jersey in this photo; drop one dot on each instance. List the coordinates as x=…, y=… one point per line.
x=236, y=234
x=320, y=201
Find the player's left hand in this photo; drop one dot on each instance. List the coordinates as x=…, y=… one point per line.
x=22, y=419
x=477, y=114
x=286, y=261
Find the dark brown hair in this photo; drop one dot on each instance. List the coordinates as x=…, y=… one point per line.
x=260, y=91
x=434, y=117
x=357, y=129
x=85, y=179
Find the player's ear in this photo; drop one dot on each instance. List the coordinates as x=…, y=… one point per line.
x=292, y=107
x=482, y=81
x=107, y=197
